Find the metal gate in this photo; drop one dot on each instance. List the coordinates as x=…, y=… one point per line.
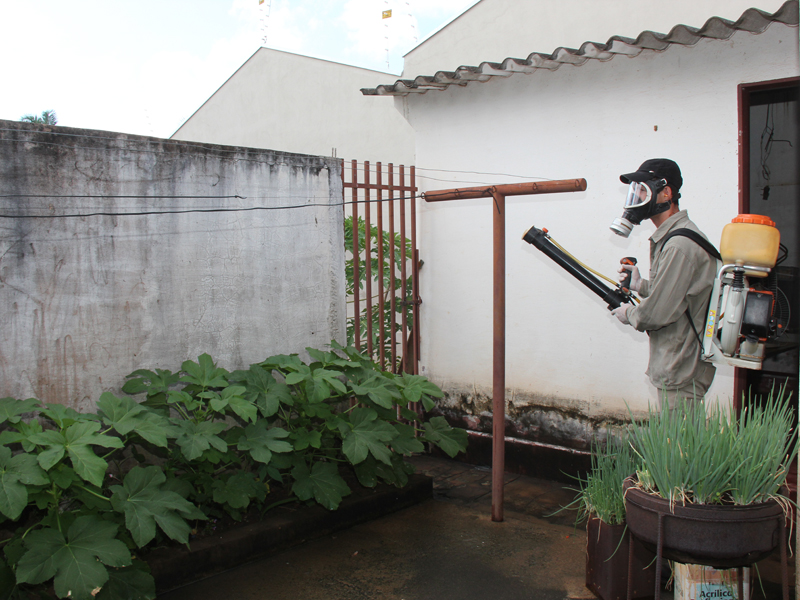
x=382, y=263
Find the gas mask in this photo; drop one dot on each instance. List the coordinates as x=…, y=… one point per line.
x=640, y=204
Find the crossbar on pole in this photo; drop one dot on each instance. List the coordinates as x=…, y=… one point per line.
x=498, y=194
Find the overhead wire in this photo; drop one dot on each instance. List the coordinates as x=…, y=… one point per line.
x=193, y=210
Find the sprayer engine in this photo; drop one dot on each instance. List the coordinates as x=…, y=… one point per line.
x=740, y=319
x=740, y=316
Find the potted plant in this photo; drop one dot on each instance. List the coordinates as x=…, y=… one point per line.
x=601, y=503
x=710, y=488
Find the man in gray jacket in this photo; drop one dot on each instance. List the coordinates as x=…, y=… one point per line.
x=675, y=298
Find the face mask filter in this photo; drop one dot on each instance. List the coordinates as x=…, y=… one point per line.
x=640, y=204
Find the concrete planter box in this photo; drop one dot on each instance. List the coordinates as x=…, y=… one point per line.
x=281, y=528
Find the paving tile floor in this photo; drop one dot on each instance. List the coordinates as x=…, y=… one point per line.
x=444, y=548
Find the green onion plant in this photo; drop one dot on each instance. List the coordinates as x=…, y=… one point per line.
x=600, y=492
x=700, y=454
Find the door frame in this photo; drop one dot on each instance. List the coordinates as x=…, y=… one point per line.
x=744, y=91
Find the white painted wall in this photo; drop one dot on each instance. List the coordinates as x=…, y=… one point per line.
x=299, y=104
x=595, y=121
x=491, y=30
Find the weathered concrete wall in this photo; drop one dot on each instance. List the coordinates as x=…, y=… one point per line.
x=87, y=300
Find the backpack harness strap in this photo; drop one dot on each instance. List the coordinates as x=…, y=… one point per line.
x=705, y=245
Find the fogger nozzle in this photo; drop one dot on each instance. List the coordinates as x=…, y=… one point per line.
x=539, y=239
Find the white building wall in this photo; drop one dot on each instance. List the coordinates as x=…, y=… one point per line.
x=564, y=349
x=294, y=103
x=491, y=31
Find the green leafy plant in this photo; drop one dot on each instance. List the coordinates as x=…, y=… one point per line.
x=600, y=493
x=699, y=454
x=82, y=495
x=57, y=497
x=391, y=324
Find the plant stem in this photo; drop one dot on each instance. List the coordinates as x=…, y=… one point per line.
x=80, y=487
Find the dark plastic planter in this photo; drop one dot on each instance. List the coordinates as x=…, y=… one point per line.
x=722, y=537
x=607, y=548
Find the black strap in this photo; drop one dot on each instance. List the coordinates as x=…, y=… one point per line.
x=695, y=237
x=705, y=245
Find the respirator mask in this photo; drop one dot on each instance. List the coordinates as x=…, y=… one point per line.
x=640, y=204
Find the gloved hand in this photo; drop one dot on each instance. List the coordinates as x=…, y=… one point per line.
x=636, y=278
x=621, y=312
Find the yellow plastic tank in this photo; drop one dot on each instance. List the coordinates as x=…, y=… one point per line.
x=750, y=240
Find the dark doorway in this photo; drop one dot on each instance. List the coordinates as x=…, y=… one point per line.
x=770, y=185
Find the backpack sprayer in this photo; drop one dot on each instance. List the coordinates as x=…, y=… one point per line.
x=740, y=318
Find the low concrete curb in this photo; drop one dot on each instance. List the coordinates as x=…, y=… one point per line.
x=281, y=528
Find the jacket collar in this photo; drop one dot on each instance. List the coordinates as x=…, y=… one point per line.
x=674, y=222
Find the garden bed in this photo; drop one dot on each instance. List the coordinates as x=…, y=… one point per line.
x=282, y=527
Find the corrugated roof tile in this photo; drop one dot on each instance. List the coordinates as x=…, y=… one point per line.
x=752, y=20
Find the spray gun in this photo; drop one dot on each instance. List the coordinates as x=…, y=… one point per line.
x=614, y=297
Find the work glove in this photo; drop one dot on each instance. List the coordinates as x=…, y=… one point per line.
x=621, y=312
x=636, y=278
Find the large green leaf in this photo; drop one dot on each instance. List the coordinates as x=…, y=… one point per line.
x=63, y=416
x=129, y=583
x=367, y=472
x=262, y=441
x=245, y=408
x=204, y=373
x=196, y=438
x=266, y=393
x=76, y=561
x=332, y=378
x=11, y=409
x=301, y=373
x=405, y=442
x=21, y=433
x=395, y=474
x=152, y=383
x=145, y=503
x=330, y=358
x=239, y=489
x=283, y=363
x=77, y=442
x=377, y=389
x=416, y=387
x=450, y=439
x=189, y=402
x=16, y=473
x=154, y=428
x=322, y=482
x=302, y=438
x=368, y=436
x=119, y=413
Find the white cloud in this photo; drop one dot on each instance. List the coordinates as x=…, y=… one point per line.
x=144, y=67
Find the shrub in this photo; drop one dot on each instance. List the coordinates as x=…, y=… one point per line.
x=82, y=494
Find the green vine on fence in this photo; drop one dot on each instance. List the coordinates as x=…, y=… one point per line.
x=392, y=321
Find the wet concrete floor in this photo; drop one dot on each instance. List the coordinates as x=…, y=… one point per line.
x=444, y=548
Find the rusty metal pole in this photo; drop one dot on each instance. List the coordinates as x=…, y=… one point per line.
x=499, y=193
x=499, y=355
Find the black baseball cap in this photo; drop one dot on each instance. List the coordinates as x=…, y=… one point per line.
x=656, y=168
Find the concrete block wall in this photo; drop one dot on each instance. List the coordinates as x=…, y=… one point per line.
x=211, y=262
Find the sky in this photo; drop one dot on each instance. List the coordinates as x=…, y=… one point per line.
x=144, y=66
